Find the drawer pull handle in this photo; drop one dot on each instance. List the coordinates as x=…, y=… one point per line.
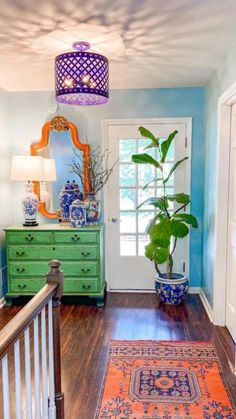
x=53, y=248
x=20, y=270
x=85, y=254
x=85, y=271
x=29, y=238
x=21, y=286
x=86, y=287
x=20, y=253
x=75, y=238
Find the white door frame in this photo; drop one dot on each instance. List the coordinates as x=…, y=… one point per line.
x=222, y=200
x=143, y=121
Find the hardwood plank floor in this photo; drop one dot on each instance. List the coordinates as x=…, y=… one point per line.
x=87, y=330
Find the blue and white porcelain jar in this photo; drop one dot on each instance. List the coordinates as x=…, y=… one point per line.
x=172, y=291
x=77, y=214
x=69, y=193
x=93, y=208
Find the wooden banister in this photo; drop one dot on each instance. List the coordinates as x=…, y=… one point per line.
x=10, y=334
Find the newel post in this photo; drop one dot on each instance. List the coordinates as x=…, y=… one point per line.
x=55, y=275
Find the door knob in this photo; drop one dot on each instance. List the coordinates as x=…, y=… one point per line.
x=114, y=220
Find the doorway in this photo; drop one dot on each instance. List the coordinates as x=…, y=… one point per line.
x=126, y=266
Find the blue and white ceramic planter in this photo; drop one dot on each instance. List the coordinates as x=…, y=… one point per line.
x=77, y=214
x=69, y=193
x=172, y=291
x=93, y=209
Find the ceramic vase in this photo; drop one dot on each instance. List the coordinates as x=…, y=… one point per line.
x=77, y=214
x=93, y=208
x=172, y=291
x=69, y=193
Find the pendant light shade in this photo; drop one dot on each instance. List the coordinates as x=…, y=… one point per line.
x=82, y=77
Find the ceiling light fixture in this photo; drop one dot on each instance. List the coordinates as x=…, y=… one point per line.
x=82, y=77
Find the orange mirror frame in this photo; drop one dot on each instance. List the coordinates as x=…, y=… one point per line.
x=59, y=123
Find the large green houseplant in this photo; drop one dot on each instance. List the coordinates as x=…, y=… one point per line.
x=167, y=226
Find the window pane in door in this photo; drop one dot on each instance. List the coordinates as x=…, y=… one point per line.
x=127, y=175
x=145, y=174
x=144, y=218
x=144, y=194
x=127, y=199
x=128, y=222
x=142, y=242
x=128, y=245
x=142, y=143
x=127, y=147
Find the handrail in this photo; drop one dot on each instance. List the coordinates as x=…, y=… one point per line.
x=14, y=329
x=51, y=293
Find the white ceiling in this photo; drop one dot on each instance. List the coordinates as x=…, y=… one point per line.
x=150, y=43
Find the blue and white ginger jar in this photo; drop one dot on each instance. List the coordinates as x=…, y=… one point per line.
x=77, y=214
x=69, y=193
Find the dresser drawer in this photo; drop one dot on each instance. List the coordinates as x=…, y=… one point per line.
x=81, y=286
x=31, y=286
x=27, y=286
x=86, y=252
x=29, y=237
x=35, y=269
x=76, y=237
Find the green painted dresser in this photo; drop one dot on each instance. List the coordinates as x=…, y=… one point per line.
x=80, y=251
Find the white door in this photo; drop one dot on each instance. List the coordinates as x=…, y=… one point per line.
x=126, y=266
x=231, y=253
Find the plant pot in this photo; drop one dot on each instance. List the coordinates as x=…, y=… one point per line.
x=172, y=291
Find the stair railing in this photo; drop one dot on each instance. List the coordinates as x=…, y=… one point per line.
x=36, y=328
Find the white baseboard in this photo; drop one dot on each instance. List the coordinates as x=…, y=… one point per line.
x=206, y=304
x=192, y=290
x=2, y=302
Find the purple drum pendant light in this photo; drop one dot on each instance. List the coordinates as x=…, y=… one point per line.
x=82, y=77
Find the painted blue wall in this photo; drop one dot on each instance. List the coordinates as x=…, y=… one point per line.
x=222, y=80
x=29, y=112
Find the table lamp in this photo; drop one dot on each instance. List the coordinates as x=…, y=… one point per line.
x=28, y=168
x=49, y=176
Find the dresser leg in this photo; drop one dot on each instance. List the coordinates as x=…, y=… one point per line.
x=8, y=301
x=100, y=302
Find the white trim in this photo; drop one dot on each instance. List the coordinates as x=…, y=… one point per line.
x=222, y=191
x=206, y=304
x=2, y=302
x=188, y=134
x=192, y=290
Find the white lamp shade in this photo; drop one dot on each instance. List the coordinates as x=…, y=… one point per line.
x=27, y=168
x=49, y=170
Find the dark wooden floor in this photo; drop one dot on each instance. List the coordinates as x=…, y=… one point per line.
x=87, y=330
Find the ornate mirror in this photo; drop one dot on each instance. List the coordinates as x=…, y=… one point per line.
x=59, y=141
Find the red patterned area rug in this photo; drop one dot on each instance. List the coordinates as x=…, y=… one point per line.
x=164, y=380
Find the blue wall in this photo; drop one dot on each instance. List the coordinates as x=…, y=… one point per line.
x=222, y=80
x=29, y=112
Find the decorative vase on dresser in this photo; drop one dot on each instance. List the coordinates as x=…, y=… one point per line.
x=80, y=252
x=69, y=193
x=93, y=208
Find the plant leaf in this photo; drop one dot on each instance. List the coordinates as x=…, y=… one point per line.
x=147, y=134
x=187, y=218
x=178, y=229
x=173, y=168
x=158, y=254
x=151, y=181
x=145, y=158
x=165, y=145
x=160, y=203
x=160, y=233
x=181, y=198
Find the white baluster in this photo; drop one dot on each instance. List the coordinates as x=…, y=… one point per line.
x=44, y=365
x=37, y=370
x=5, y=383
x=17, y=380
x=28, y=375
x=52, y=406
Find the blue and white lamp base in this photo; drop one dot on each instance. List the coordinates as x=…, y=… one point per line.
x=30, y=206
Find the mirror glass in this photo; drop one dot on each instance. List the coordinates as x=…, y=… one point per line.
x=59, y=142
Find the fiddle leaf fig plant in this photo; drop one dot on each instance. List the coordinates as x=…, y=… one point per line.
x=167, y=225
